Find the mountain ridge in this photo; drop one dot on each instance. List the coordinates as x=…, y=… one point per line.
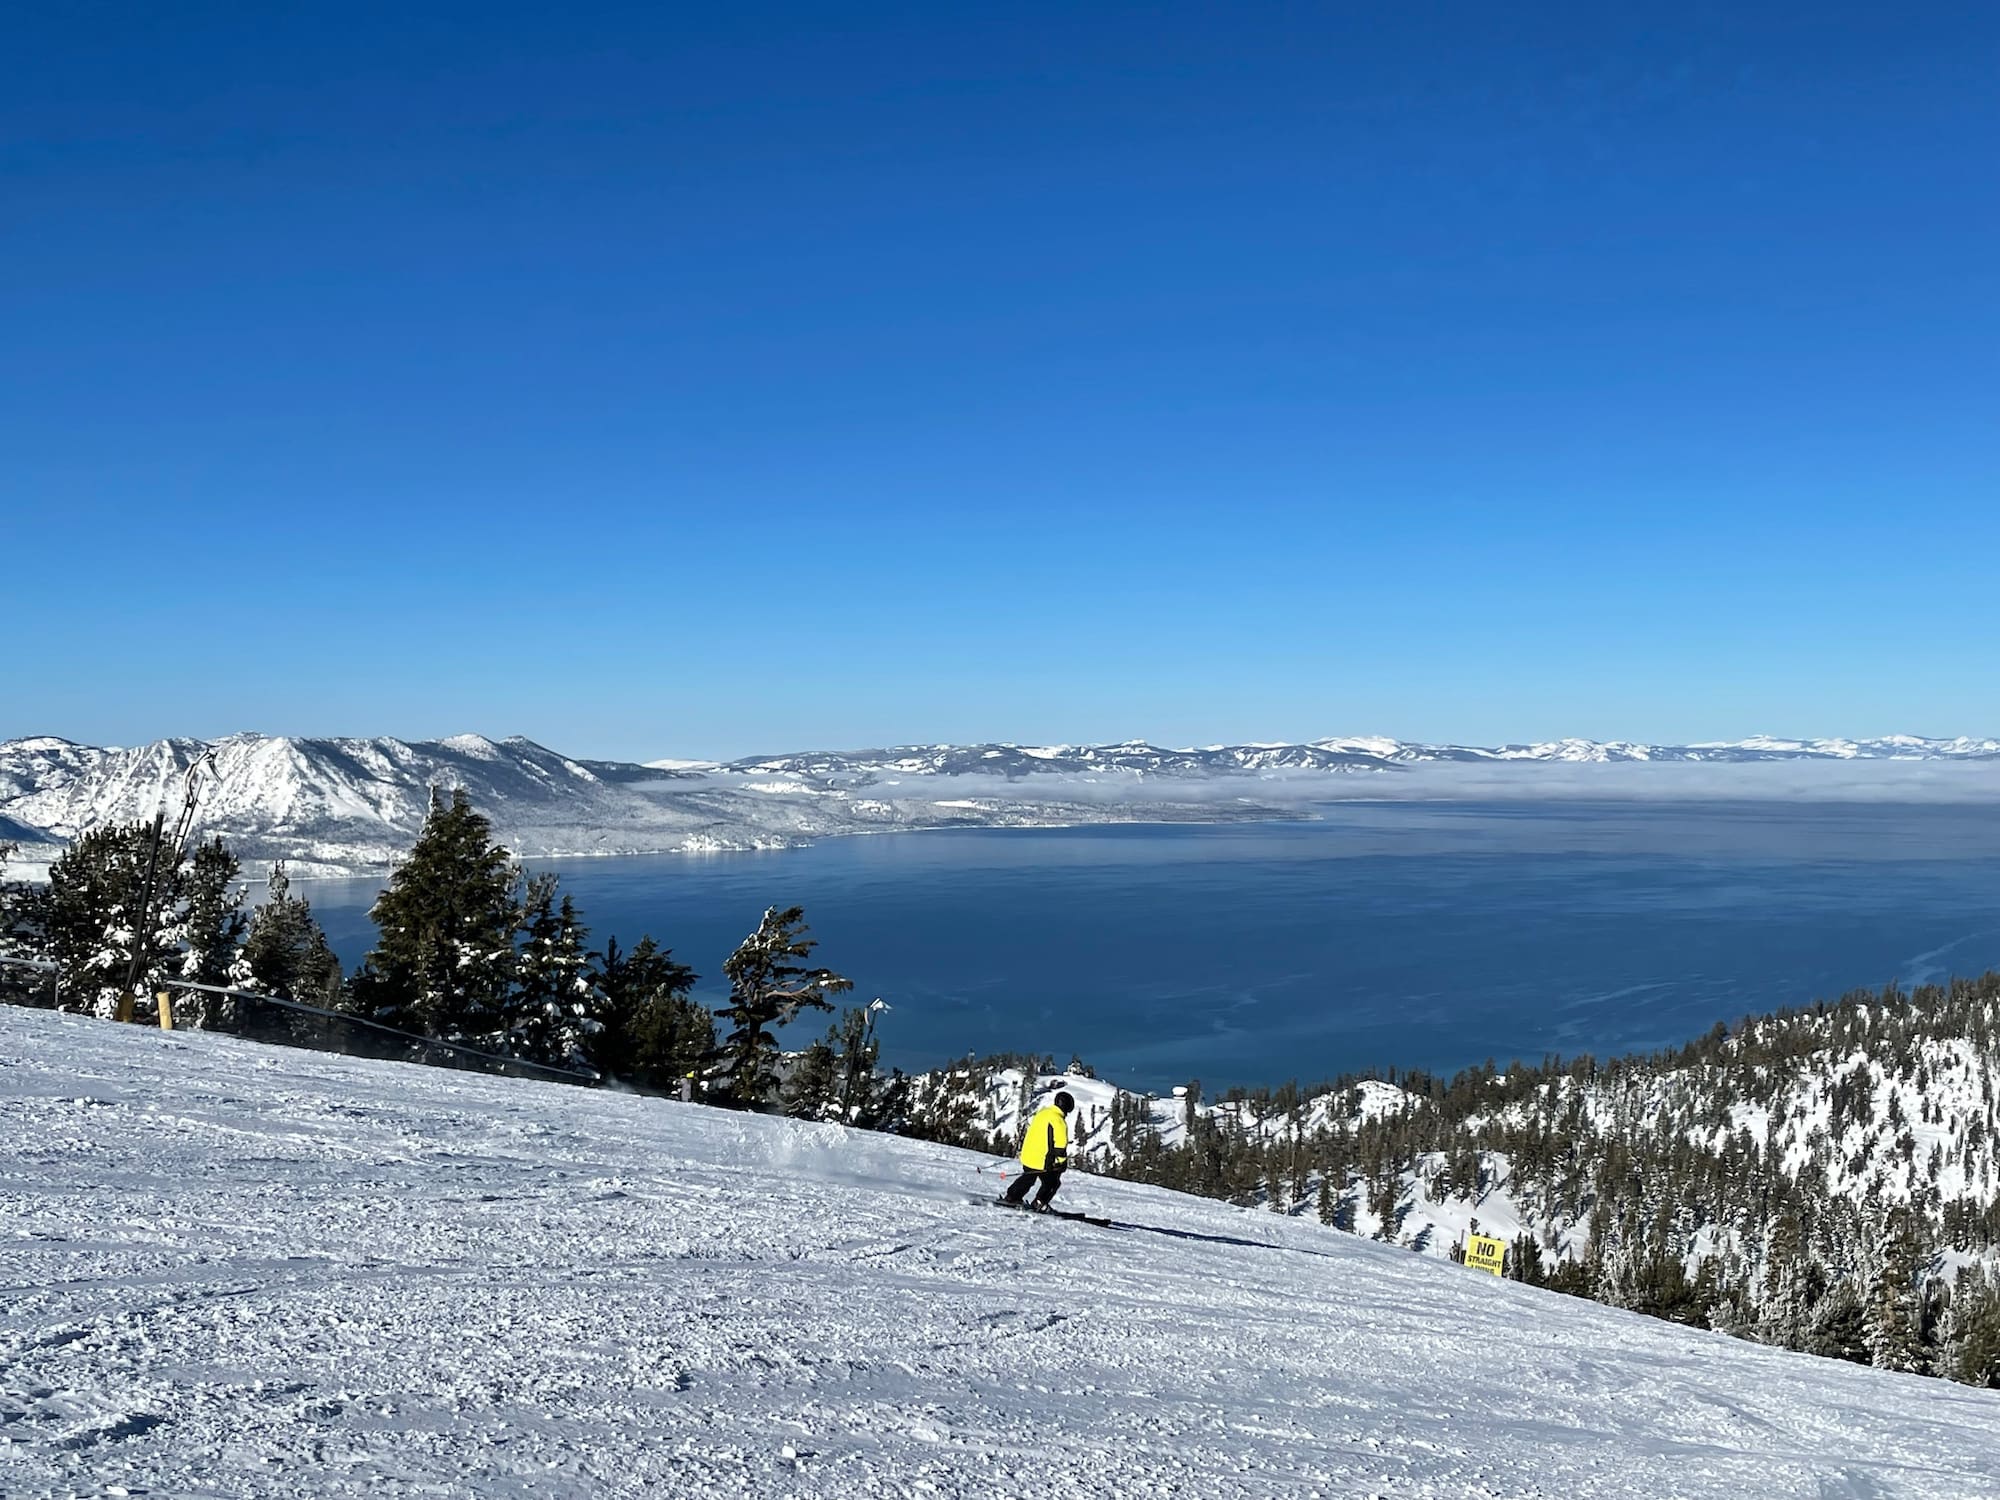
x=342, y=805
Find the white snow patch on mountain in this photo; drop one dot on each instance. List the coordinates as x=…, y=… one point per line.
x=243, y=1271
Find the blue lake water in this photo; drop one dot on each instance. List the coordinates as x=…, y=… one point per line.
x=1383, y=934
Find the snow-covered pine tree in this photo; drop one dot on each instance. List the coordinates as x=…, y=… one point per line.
x=1298, y=1162
x=93, y=909
x=946, y=1106
x=210, y=928
x=1971, y=1344
x=212, y=922
x=443, y=959
x=766, y=990
x=1723, y=1286
x=1895, y=1316
x=285, y=953
x=557, y=1009
x=1784, y=1317
x=1840, y=1325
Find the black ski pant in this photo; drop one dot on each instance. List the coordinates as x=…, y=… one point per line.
x=1050, y=1180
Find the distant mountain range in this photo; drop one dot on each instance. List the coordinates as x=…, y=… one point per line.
x=343, y=806
x=1355, y=754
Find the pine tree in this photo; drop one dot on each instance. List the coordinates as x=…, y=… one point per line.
x=945, y=1107
x=766, y=990
x=812, y=1091
x=95, y=896
x=1840, y=1326
x=210, y=927
x=1895, y=1323
x=84, y=921
x=1524, y=1259
x=852, y=1039
x=889, y=1104
x=1783, y=1316
x=442, y=964
x=23, y=934
x=1971, y=1353
x=557, y=1009
x=285, y=953
x=654, y=1036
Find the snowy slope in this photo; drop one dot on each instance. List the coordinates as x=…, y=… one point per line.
x=1918, y=1128
x=257, y=1272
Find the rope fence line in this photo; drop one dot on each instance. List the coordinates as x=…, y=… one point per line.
x=460, y=1049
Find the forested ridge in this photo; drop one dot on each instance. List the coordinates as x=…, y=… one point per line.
x=1823, y=1178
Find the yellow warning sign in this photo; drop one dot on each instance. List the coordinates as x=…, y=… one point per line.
x=1484, y=1253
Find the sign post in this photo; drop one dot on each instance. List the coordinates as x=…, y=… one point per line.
x=1484, y=1253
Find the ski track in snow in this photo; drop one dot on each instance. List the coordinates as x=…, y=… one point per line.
x=230, y=1270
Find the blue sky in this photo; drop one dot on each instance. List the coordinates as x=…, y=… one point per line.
x=662, y=379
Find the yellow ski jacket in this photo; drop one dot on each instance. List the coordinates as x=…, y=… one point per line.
x=1046, y=1144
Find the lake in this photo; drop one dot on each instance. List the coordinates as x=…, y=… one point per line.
x=1397, y=934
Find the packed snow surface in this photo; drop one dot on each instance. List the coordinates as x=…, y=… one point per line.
x=231, y=1270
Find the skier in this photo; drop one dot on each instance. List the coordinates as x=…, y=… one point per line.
x=1044, y=1154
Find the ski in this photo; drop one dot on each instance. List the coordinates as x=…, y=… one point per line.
x=1053, y=1213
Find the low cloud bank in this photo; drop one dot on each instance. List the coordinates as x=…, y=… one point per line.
x=1936, y=782
x=1942, y=782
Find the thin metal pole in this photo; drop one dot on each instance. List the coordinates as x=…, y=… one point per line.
x=189, y=795
x=144, y=925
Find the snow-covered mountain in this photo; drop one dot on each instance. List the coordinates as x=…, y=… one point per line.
x=1364, y=753
x=263, y=1272
x=335, y=806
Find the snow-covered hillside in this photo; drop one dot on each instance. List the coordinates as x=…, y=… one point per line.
x=336, y=806
x=1826, y=1178
x=241, y=1271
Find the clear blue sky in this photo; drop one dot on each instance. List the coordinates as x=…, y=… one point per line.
x=672, y=379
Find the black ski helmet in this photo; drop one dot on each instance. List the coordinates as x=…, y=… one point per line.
x=1064, y=1102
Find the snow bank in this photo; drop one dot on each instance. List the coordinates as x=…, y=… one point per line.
x=233, y=1270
